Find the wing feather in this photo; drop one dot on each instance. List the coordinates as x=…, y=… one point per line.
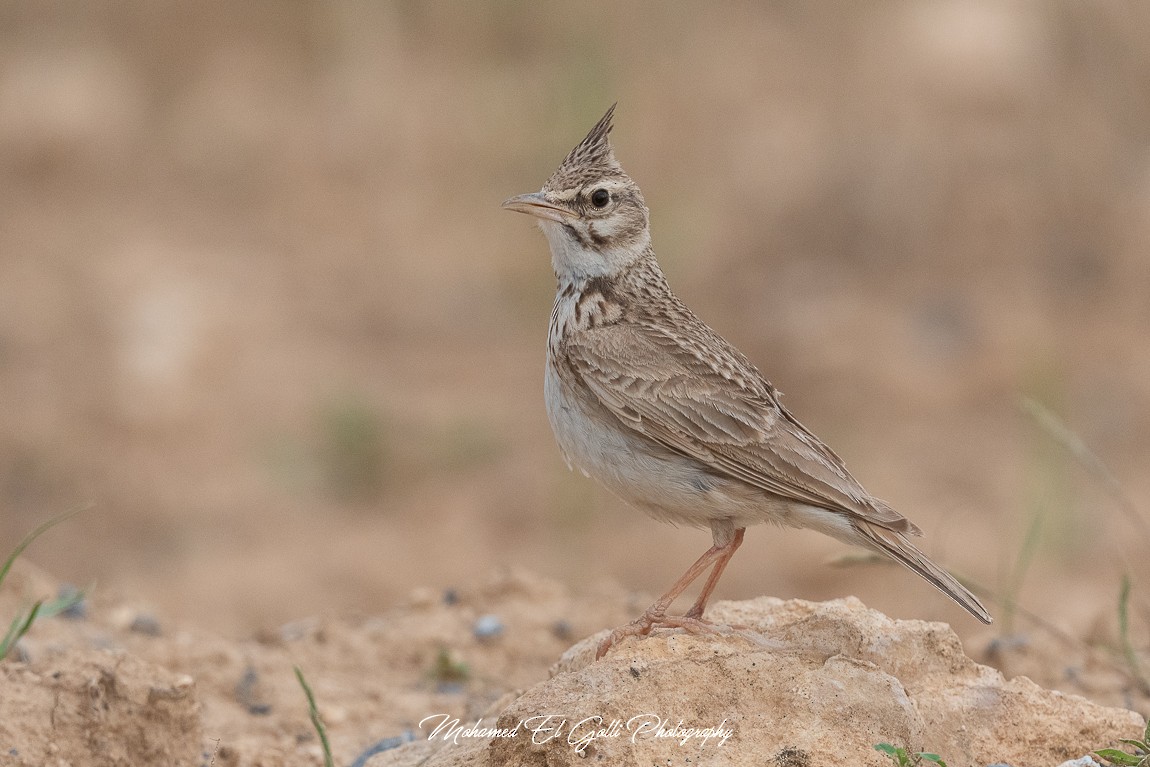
x=718, y=410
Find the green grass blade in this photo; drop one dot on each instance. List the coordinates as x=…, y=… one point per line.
x=1018, y=574
x=1124, y=636
x=316, y=722
x=1064, y=435
x=1114, y=756
x=21, y=624
x=10, y=635
x=18, y=628
x=894, y=753
x=58, y=605
x=27, y=540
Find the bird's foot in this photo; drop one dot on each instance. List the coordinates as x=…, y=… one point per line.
x=657, y=619
x=696, y=613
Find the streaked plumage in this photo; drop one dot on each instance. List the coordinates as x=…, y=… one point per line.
x=646, y=398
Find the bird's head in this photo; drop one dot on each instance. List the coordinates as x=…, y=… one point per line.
x=591, y=211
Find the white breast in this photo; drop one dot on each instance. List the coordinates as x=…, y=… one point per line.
x=646, y=476
x=564, y=413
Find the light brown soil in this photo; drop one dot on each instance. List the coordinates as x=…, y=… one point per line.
x=118, y=687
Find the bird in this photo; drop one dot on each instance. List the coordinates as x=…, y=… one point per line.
x=647, y=399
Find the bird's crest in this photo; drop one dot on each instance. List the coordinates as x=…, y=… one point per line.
x=592, y=158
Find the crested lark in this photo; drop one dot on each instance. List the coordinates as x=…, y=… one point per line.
x=651, y=402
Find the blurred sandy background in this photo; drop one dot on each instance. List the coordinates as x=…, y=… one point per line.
x=258, y=300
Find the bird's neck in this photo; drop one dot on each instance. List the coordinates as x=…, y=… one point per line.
x=641, y=273
x=581, y=251
x=584, y=303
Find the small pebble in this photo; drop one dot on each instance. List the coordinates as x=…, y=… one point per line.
x=1082, y=761
x=562, y=630
x=145, y=623
x=450, y=597
x=1007, y=644
x=76, y=611
x=487, y=627
x=247, y=693
x=384, y=745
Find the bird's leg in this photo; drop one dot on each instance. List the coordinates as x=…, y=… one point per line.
x=656, y=615
x=729, y=550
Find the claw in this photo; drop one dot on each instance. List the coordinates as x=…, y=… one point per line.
x=649, y=621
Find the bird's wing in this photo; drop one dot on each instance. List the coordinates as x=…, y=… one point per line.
x=701, y=398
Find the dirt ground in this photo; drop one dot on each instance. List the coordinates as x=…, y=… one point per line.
x=374, y=677
x=259, y=306
x=113, y=685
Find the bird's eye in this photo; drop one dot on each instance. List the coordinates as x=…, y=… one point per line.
x=600, y=198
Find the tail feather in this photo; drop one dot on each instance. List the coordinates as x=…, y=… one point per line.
x=894, y=545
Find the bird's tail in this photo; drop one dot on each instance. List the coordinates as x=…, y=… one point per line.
x=894, y=545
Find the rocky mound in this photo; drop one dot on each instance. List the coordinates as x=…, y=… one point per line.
x=803, y=684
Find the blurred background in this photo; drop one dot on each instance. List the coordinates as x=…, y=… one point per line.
x=259, y=304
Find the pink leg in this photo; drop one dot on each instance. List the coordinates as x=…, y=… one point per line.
x=656, y=615
x=696, y=610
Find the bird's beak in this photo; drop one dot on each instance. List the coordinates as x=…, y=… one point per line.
x=535, y=204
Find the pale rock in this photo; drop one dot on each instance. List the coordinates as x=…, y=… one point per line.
x=803, y=684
